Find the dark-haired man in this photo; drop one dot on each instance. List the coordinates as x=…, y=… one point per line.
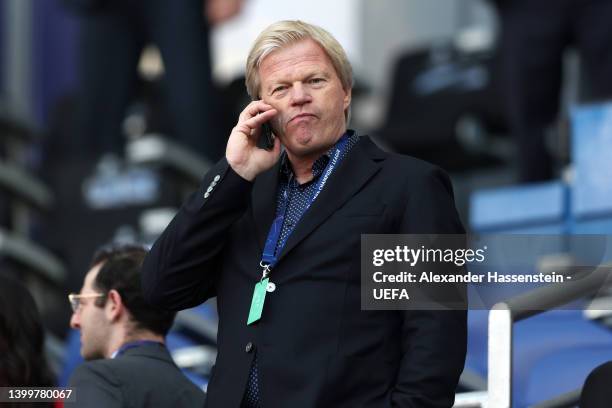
x=123, y=340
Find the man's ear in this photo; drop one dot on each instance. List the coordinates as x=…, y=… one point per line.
x=347, y=105
x=347, y=98
x=114, y=308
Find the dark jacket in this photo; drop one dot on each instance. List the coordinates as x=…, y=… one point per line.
x=143, y=376
x=315, y=346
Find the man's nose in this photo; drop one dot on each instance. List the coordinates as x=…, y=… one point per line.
x=299, y=94
x=75, y=321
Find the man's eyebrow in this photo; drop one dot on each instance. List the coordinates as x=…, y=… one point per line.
x=319, y=73
x=314, y=72
x=309, y=74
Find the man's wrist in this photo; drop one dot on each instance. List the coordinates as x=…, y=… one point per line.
x=242, y=173
x=245, y=174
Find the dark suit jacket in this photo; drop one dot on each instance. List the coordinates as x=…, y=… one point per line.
x=143, y=376
x=596, y=391
x=315, y=346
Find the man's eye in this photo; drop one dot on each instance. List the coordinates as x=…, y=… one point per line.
x=279, y=88
x=316, y=80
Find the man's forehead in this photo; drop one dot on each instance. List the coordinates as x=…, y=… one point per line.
x=91, y=275
x=305, y=52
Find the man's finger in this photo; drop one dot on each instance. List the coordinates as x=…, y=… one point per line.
x=256, y=121
x=253, y=109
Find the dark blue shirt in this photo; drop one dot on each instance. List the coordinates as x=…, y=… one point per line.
x=299, y=194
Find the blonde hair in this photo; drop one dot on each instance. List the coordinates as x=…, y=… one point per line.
x=284, y=33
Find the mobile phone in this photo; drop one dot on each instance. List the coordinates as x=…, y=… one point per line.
x=266, y=139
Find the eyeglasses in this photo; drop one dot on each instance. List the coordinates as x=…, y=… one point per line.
x=75, y=299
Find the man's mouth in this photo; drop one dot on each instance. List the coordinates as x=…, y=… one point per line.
x=302, y=115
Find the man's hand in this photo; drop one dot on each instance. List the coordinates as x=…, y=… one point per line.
x=242, y=152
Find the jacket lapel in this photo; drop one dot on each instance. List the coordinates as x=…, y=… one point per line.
x=264, y=202
x=354, y=171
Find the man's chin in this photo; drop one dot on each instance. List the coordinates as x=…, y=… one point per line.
x=304, y=152
x=302, y=140
x=301, y=145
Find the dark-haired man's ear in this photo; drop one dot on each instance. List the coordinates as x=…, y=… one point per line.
x=114, y=306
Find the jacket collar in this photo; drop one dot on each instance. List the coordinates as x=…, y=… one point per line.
x=361, y=164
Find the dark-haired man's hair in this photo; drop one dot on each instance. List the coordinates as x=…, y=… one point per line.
x=120, y=270
x=106, y=252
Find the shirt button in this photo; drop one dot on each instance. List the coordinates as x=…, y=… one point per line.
x=206, y=195
x=209, y=189
x=217, y=177
x=249, y=347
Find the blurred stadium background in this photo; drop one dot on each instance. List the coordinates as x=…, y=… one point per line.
x=429, y=83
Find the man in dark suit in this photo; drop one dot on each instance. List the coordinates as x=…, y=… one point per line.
x=276, y=237
x=123, y=339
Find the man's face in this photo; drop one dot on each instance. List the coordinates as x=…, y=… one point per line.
x=301, y=83
x=91, y=321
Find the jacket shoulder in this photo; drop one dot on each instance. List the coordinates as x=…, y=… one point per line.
x=413, y=165
x=97, y=385
x=396, y=161
x=100, y=369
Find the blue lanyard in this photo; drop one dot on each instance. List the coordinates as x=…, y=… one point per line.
x=269, y=256
x=133, y=344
